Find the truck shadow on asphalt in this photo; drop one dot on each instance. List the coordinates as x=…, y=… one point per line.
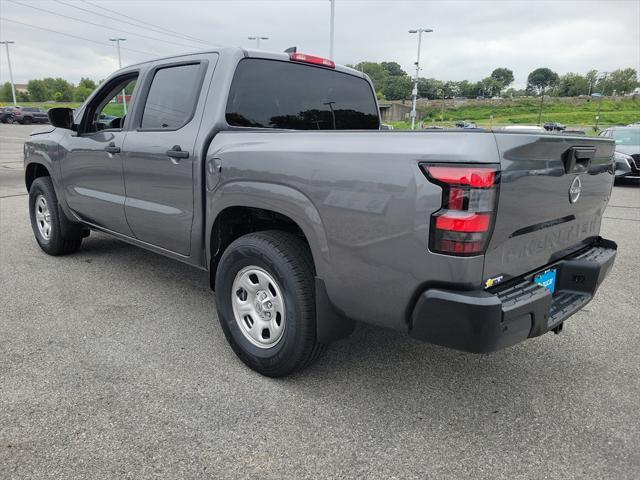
x=385, y=364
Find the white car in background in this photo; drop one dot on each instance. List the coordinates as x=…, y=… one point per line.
x=521, y=128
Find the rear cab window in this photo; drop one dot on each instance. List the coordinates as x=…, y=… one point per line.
x=288, y=95
x=172, y=97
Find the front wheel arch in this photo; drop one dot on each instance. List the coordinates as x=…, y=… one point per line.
x=34, y=170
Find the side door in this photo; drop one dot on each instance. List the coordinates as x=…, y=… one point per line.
x=91, y=161
x=159, y=156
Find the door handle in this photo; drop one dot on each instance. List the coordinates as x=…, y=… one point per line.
x=111, y=148
x=177, y=152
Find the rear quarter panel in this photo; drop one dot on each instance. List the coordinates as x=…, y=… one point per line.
x=362, y=202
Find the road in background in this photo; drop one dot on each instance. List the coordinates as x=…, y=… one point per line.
x=112, y=365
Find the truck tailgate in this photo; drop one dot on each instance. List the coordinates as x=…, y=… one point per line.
x=539, y=219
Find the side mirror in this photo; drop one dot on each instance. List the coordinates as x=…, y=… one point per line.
x=61, y=117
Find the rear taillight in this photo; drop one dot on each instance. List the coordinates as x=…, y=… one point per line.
x=303, y=57
x=463, y=224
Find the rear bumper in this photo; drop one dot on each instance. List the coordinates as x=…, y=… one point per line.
x=485, y=321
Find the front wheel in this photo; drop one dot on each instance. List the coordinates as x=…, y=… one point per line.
x=55, y=234
x=265, y=299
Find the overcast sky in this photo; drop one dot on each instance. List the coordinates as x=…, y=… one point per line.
x=471, y=38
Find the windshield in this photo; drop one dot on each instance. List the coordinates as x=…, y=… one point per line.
x=625, y=136
x=277, y=94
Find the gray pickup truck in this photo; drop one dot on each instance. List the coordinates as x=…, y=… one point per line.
x=270, y=171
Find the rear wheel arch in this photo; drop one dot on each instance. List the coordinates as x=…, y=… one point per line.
x=235, y=221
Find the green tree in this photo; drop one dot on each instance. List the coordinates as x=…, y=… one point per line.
x=62, y=90
x=129, y=88
x=542, y=79
x=57, y=89
x=512, y=92
x=87, y=83
x=539, y=80
x=451, y=89
x=5, y=93
x=38, y=91
x=397, y=87
x=592, y=78
x=81, y=93
x=491, y=86
x=504, y=76
x=393, y=69
x=428, y=88
x=467, y=89
x=376, y=73
x=621, y=81
x=388, y=78
x=572, y=85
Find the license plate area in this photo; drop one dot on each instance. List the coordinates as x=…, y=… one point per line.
x=547, y=279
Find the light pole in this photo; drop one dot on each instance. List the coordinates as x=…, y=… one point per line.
x=13, y=87
x=331, y=29
x=124, y=95
x=257, y=38
x=603, y=77
x=333, y=113
x=419, y=31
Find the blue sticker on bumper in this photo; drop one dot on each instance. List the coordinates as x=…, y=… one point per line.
x=547, y=279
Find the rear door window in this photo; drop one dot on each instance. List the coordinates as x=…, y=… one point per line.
x=172, y=97
x=288, y=95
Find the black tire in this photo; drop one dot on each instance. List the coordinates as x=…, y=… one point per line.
x=64, y=237
x=288, y=260
x=9, y=120
x=27, y=121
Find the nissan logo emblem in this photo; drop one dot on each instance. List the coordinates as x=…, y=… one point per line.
x=575, y=189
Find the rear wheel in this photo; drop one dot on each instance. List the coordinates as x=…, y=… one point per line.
x=27, y=121
x=265, y=299
x=55, y=234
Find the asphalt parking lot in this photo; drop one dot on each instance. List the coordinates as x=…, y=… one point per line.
x=112, y=365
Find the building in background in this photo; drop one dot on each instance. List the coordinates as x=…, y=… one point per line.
x=394, y=111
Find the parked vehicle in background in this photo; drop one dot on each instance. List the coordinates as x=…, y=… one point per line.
x=7, y=115
x=466, y=124
x=554, y=126
x=627, y=154
x=106, y=120
x=29, y=115
x=522, y=128
x=309, y=218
